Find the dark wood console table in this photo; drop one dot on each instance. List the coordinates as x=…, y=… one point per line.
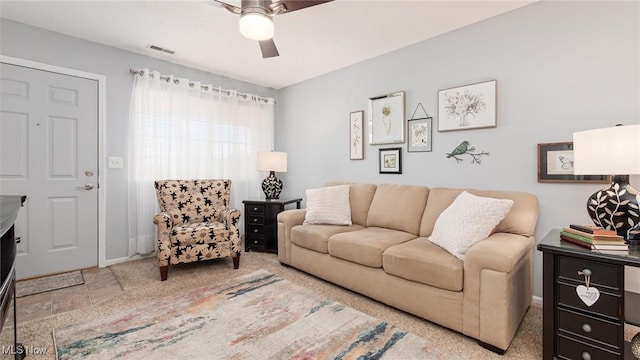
x=571, y=328
x=261, y=223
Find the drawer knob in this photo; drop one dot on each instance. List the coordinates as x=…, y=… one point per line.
x=255, y=230
x=255, y=220
x=586, y=355
x=255, y=241
x=585, y=272
x=255, y=209
x=586, y=328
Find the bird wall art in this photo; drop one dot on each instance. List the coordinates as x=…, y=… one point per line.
x=467, y=149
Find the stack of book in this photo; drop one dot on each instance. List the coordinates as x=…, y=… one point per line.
x=593, y=237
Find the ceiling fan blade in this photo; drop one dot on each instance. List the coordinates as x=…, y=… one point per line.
x=268, y=48
x=293, y=5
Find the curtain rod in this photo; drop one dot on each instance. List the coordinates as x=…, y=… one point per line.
x=204, y=87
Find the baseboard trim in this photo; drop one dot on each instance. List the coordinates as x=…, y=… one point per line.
x=125, y=259
x=536, y=300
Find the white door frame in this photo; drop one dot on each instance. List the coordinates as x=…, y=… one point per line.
x=102, y=96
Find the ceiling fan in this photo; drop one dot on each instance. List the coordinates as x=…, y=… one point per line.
x=256, y=19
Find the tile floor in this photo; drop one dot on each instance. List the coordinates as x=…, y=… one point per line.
x=99, y=285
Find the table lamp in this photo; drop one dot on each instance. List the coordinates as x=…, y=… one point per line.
x=272, y=161
x=612, y=151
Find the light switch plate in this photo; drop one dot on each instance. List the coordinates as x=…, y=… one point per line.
x=115, y=162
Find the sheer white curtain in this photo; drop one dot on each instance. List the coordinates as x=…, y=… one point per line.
x=180, y=129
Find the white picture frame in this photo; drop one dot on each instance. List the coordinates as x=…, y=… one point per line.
x=468, y=107
x=356, y=135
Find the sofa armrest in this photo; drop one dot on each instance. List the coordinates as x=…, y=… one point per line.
x=164, y=224
x=498, y=278
x=231, y=219
x=287, y=220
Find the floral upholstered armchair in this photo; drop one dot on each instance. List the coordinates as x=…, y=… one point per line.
x=195, y=223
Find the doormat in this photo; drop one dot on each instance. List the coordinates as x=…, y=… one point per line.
x=255, y=316
x=48, y=283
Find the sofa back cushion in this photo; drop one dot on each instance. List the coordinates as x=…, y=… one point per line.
x=398, y=207
x=521, y=219
x=360, y=196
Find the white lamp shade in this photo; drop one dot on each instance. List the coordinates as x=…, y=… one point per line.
x=256, y=26
x=272, y=161
x=608, y=151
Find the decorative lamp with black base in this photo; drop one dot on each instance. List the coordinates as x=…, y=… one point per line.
x=272, y=161
x=615, y=151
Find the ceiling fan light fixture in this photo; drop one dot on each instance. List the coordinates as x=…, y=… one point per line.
x=256, y=25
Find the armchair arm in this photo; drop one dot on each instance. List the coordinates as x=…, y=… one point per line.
x=286, y=220
x=164, y=224
x=498, y=277
x=231, y=219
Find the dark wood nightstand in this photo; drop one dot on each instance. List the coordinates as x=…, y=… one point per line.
x=261, y=223
x=571, y=329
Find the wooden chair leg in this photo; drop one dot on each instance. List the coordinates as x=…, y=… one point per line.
x=164, y=271
x=236, y=262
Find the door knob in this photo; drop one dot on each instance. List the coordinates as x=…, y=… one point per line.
x=86, y=187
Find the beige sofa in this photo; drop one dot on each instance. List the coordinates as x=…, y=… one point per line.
x=386, y=256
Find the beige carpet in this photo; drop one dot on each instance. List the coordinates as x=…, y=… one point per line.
x=141, y=284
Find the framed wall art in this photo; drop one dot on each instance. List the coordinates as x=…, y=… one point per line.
x=419, y=134
x=555, y=165
x=356, y=134
x=386, y=119
x=468, y=107
x=391, y=161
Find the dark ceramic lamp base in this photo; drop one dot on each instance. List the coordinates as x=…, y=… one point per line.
x=272, y=186
x=615, y=207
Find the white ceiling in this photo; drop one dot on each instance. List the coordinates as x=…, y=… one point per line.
x=311, y=41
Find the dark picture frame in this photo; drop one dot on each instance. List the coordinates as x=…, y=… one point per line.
x=390, y=160
x=555, y=165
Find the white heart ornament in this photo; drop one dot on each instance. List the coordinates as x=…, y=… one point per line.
x=589, y=296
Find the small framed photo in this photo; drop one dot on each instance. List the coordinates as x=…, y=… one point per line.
x=356, y=134
x=391, y=161
x=555, y=165
x=386, y=119
x=468, y=107
x=419, y=134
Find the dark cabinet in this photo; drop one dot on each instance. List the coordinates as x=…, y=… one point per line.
x=261, y=223
x=573, y=329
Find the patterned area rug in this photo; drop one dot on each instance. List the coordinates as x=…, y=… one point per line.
x=48, y=283
x=255, y=316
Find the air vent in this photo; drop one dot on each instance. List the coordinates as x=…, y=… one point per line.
x=161, y=49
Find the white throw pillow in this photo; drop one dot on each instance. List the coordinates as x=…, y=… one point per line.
x=468, y=220
x=328, y=205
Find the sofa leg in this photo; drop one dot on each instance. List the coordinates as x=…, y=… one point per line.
x=164, y=271
x=495, y=349
x=236, y=262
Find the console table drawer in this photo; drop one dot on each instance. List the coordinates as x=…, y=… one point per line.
x=255, y=220
x=255, y=230
x=255, y=208
x=607, y=305
x=589, y=327
x=601, y=274
x=576, y=350
x=255, y=241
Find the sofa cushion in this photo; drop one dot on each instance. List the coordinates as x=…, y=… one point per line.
x=366, y=246
x=468, y=220
x=520, y=220
x=360, y=196
x=315, y=237
x=423, y=261
x=398, y=207
x=328, y=205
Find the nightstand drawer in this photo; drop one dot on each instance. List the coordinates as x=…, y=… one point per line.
x=576, y=324
x=607, y=305
x=255, y=208
x=255, y=220
x=573, y=349
x=255, y=230
x=255, y=241
x=601, y=274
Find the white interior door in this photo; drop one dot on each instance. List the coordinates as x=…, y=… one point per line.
x=49, y=152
